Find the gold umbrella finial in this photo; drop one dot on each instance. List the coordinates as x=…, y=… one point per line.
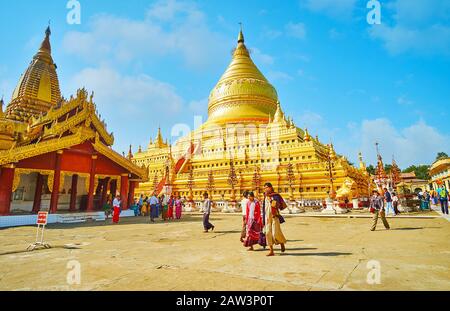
x=241, y=35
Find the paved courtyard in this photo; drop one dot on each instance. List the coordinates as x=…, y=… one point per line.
x=322, y=254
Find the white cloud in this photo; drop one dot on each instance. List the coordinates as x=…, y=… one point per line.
x=199, y=107
x=418, y=26
x=274, y=76
x=132, y=106
x=335, y=34
x=169, y=28
x=132, y=94
x=333, y=8
x=271, y=34
x=415, y=144
x=296, y=30
x=403, y=100
x=310, y=120
x=6, y=90
x=261, y=58
x=398, y=39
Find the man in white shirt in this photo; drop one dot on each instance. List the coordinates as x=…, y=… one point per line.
x=153, y=202
x=244, y=202
x=206, y=212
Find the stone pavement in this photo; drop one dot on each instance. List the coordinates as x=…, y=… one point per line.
x=326, y=253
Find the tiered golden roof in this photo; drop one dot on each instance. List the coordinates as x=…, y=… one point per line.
x=38, y=88
x=242, y=93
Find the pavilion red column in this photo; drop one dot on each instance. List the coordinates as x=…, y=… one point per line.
x=113, y=188
x=38, y=193
x=56, y=179
x=104, y=191
x=131, y=193
x=6, y=185
x=73, y=193
x=124, y=191
x=90, y=206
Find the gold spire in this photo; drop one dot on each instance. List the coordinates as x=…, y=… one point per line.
x=306, y=137
x=1, y=107
x=241, y=35
x=332, y=152
x=38, y=88
x=130, y=153
x=362, y=165
x=242, y=93
x=159, y=139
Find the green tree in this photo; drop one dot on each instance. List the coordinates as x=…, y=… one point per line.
x=387, y=168
x=441, y=155
x=371, y=169
x=420, y=170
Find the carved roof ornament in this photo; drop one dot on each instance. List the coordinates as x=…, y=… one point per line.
x=306, y=137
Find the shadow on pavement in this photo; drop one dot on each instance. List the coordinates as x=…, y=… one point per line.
x=327, y=254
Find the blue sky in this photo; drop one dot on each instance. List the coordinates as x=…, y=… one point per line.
x=154, y=63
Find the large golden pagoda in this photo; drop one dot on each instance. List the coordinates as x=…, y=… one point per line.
x=248, y=134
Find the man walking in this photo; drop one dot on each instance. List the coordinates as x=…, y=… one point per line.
x=388, y=200
x=244, y=211
x=153, y=205
x=206, y=212
x=377, y=206
x=443, y=198
x=273, y=203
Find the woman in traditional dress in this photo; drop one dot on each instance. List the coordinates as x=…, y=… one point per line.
x=206, y=213
x=107, y=207
x=178, y=207
x=116, y=207
x=164, y=207
x=171, y=204
x=253, y=220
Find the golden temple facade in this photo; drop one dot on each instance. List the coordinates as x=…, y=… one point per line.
x=247, y=141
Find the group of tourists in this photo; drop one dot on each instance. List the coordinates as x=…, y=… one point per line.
x=166, y=207
x=261, y=220
x=435, y=197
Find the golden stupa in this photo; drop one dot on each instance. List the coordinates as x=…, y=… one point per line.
x=38, y=88
x=247, y=141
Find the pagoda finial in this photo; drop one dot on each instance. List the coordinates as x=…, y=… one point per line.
x=130, y=153
x=362, y=165
x=140, y=149
x=306, y=137
x=1, y=107
x=159, y=139
x=241, y=35
x=45, y=45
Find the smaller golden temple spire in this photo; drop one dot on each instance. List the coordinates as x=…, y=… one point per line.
x=362, y=165
x=159, y=139
x=130, y=153
x=279, y=115
x=140, y=149
x=332, y=153
x=306, y=137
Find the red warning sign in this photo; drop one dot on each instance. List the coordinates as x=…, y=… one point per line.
x=42, y=218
